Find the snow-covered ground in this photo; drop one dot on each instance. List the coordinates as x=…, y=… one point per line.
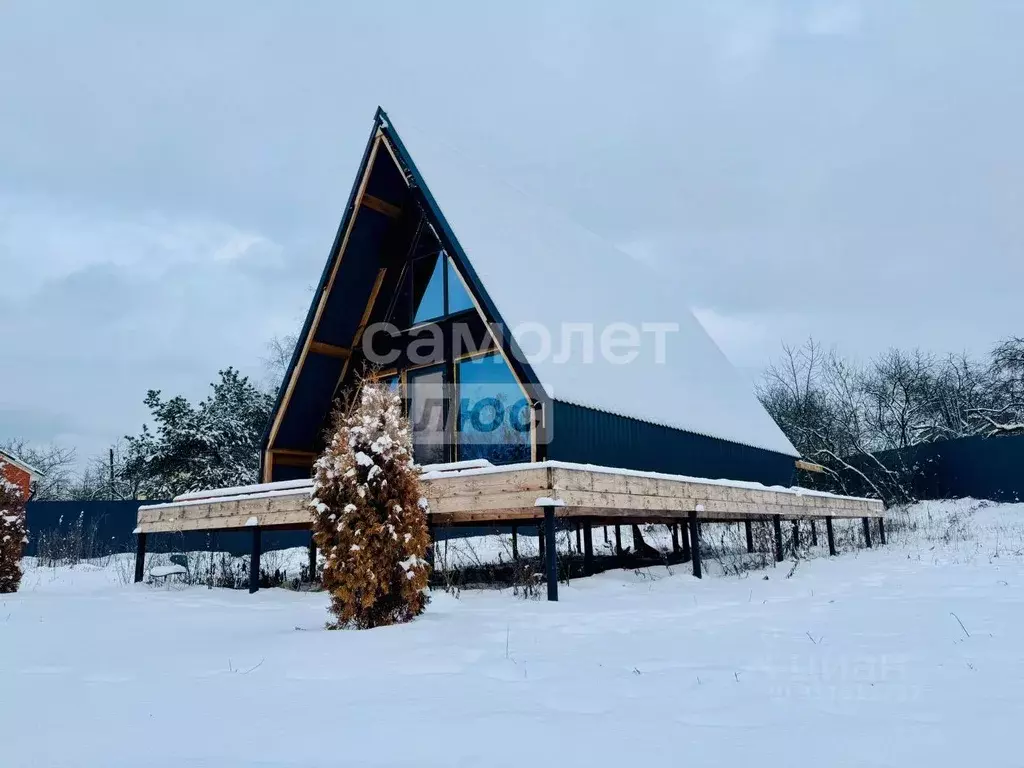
x=903, y=656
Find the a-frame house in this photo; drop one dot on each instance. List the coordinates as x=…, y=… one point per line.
x=594, y=357
x=547, y=376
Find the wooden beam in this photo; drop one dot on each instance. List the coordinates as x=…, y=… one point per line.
x=294, y=453
x=363, y=322
x=381, y=206
x=504, y=497
x=331, y=350
x=336, y=257
x=808, y=466
x=295, y=461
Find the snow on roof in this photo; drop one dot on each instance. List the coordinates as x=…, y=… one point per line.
x=34, y=473
x=538, y=267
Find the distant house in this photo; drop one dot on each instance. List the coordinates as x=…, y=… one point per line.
x=524, y=303
x=16, y=471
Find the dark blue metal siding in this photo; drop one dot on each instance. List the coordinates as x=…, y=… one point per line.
x=310, y=403
x=589, y=436
x=286, y=472
x=354, y=282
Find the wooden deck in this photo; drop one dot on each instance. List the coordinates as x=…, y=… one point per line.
x=539, y=492
x=502, y=495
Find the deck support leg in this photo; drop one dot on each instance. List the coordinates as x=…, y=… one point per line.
x=605, y=529
x=541, y=548
x=254, y=560
x=777, y=524
x=432, y=547
x=831, y=534
x=552, y=553
x=579, y=544
x=749, y=529
x=140, y=557
x=686, y=540
x=695, y=544
x=675, y=538
x=814, y=534
x=515, y=542
x=881, y=531
x=588, y=548
x=796, y=536
x=312, y=559
x=866, y=521
x=618, y=539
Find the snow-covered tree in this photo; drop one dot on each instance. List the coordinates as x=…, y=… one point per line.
x=212, y=445
x=370, y=519
x=12, y=533
x=1005, y=412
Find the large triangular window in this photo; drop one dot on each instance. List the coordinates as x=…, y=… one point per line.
x=431, y=289
x=428, y=288
x=458, y=297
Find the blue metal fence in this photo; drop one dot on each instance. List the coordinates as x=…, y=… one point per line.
x=979, y=467
x=103, y=527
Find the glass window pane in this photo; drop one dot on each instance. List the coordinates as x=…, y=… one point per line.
x=458, y=298
x=426, y=393
x=494, y=415
x=428, y=288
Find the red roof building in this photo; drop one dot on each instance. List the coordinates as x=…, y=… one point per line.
x=16, y=471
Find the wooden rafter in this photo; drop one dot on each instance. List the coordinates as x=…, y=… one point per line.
x=808, y=466
x=268, y=466
x=381, y=206
x=331, y=350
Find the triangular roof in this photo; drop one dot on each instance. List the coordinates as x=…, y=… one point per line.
x=10, y=458
x=531, y=267
x=539, y=267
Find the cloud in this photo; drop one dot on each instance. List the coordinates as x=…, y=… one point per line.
x=171, y=183
x=109, y=308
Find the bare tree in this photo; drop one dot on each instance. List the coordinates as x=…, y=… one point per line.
x=279, y=356
x=1004, y=414
x=108, y=476
x=842, y=415
x=55, y=462
x=897, y=389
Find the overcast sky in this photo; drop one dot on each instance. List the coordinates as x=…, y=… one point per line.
x=172, y=174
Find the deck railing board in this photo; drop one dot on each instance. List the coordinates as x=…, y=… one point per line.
x=498, y=496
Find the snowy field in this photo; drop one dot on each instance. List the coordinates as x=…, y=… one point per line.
x=903, y=656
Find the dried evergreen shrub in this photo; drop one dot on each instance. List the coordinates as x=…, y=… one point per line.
x=13, y=535
x=370, y=519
